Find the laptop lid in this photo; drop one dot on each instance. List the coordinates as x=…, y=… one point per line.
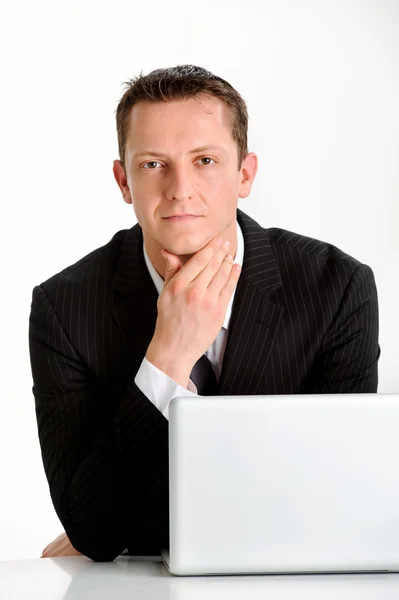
x=281, y=484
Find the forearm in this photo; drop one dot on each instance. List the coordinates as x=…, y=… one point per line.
x=105, y=458
x=104, y=495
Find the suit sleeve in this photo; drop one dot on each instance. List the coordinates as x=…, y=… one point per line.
x=107, y=476
x=348, y=358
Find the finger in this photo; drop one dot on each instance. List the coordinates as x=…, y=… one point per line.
x=198, y=261
x=53, y=545
x=172, y=265
x=205, y=278
x=66, y=548
x=228, y=289
x=221, y=277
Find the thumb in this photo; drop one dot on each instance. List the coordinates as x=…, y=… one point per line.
x=172, y=265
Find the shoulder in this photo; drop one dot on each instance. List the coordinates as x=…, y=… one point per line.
x=303, y=260
x=316, y=262
x=93, y=271
x=299, y=246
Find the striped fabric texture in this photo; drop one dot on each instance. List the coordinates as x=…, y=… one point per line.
x=304, y=321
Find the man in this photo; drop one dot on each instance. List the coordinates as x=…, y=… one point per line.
x=166, y=309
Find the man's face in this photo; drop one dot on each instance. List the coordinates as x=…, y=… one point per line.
x=166, y=177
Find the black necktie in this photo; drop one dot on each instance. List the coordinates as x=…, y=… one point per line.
x=204, y=377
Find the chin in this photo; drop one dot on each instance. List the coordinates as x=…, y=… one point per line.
x=185, y=247
x=186, y=250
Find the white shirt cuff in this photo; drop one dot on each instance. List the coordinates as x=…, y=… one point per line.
x=159, y=387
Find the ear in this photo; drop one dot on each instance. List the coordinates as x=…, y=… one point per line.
x=121, y=180
x=249, y=169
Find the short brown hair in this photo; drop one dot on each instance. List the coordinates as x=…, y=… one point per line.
x=183, y=82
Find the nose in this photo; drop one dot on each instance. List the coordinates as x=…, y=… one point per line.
x=179, y=186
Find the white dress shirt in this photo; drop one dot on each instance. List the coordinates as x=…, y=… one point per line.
x=154, y=383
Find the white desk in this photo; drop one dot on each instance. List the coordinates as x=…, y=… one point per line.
x=79, y=578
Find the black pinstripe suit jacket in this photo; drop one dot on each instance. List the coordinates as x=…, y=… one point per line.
x=304, y=320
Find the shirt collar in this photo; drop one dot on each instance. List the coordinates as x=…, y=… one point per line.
x=159, y=282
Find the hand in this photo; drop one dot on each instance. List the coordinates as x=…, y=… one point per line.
x=191, y=308
x=61, y=546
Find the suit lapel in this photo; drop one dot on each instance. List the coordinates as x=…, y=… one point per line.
x=254, y=317
x=136, y=311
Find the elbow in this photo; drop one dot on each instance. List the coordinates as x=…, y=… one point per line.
x=98, y=550
x=102, y=555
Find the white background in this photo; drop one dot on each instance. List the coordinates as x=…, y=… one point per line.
x=321, y=80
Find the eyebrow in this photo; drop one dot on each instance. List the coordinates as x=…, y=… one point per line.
x=195, y=150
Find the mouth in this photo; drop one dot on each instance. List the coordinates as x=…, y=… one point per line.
x=179, y=218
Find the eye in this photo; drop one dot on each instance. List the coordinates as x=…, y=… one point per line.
x=207, y=158
x=151, y=162
x=154, y=162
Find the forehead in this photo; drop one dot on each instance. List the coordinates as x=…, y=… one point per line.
x=177, y=123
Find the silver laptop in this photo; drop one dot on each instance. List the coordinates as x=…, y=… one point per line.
x=283, y=484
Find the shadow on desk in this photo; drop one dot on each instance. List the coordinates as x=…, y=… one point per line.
x=148, y=577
